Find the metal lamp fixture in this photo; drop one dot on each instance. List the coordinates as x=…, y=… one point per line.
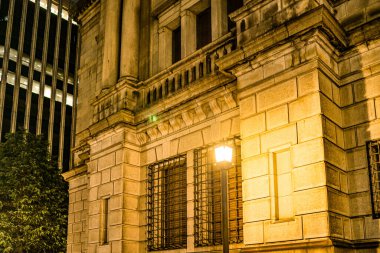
x=223, y=154
x=223, y=158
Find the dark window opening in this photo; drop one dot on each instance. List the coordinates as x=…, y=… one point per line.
x=233, y=5
x=373, y=154
x=176, y=45
x=208, y=64
x=242, y=26
x=207, y=193
x=148, y=98
x=160, y=92
x=201, y=70
x=172, y=86
x=154, y=95
x=204, y=28
x=167, y=210
x=166, y=87
x=186, y=77
x=193, y=74
x=180, y=81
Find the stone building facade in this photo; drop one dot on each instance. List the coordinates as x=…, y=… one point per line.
x=292, y=85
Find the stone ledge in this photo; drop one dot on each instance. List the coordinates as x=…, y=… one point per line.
x=74, y=172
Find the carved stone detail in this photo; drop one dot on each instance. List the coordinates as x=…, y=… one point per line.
x=175, y=123
x=142, y=138
x=214, y=106
x=153, y=133
x=164, y=128
x=230, y=100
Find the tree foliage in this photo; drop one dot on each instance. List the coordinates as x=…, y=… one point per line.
x=33, y=197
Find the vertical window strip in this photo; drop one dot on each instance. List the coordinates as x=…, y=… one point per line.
x=104, y=222
x=167, y=204
x=207, y=193
x=373, y=154
x=32, y=56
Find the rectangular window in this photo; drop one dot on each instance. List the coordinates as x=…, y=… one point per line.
x=281, y=185
x=373, y=153
x=104, y=221
x=167, y=210
x=204, y=28
x=207, y=193
x=176, y=45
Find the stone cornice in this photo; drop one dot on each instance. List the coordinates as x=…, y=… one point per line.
x=318, y=18
x=198, y=112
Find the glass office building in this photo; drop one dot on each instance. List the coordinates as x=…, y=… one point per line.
x=38, y=46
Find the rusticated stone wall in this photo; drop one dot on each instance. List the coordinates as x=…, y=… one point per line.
x=298, y=81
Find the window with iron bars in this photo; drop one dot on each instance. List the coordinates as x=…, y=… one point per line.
x=207, y=194
x=166, y=203
x=373, y=154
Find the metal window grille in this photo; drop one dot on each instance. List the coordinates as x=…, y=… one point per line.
x=207, y=193
x=167, y=211
x=373, y=153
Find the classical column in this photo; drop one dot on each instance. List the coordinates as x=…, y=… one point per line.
x=130, y=39
x=165, y=47
x=111, y=43
x=188, y=33
x=219, y=18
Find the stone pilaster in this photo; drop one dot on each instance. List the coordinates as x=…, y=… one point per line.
x=130, y=39
x=111, y=55
x=165, y=47
x=188, y=33
x=219, y=19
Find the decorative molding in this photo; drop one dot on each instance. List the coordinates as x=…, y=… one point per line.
x=142, y=138
x=230, y=100
x=188, y=118
x=214, y=106
x=164, y=128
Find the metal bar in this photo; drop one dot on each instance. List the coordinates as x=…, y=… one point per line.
x=32, y=58
x=20, y=52
x=166, y=204
x=75, y=95
x=63, y=105
x=54, y=81
x=4, y=72
x=225, y=219
x=43, y=69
